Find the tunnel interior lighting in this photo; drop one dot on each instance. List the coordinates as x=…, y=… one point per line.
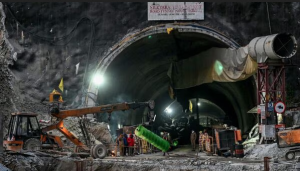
x=98, y=79
x=168, y=110
x=198, y=104
x=218, y=67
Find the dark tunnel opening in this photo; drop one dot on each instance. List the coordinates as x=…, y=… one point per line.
x=139, y=73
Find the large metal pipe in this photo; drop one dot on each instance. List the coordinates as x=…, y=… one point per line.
x=276, y=46
x=152, y=138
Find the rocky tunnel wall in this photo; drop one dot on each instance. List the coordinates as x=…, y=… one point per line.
x=47, y=41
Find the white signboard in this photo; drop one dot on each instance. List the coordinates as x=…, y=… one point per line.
x=175, y=11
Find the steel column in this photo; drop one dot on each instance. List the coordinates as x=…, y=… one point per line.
x=270, y=88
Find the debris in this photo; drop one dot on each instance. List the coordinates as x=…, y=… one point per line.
x=3, y=168
x=265, y=150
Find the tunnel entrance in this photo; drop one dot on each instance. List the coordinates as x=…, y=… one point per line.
x=136, y=69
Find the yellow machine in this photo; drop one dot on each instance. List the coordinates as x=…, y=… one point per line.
x=25, y=133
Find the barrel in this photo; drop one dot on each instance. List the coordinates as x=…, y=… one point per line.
x=239, y=150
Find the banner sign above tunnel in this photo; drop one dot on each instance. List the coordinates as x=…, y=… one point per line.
x=175, y=11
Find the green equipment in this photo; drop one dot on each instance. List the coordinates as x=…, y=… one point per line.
x=153, y=139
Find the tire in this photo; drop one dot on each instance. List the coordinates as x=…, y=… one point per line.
x=32, y=144
x=99, y=151
x=91, y=151
x=290, y=156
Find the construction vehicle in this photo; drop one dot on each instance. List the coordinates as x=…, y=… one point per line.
x=226, y=139
x=24, y=132
x=289, y=137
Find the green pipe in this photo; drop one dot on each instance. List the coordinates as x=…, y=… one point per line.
x=152, y=138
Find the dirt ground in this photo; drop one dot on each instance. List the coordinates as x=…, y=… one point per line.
x=182, y=158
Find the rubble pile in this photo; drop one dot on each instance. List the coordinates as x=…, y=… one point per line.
x=3, y=168
x=27, y=161
x=97, y=131
x=266, y=150
x=100, y=131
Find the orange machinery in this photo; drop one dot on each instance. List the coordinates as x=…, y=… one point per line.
x=226, y=139
x=289, y=137
x=24, y=131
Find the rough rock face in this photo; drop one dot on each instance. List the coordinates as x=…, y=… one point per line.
x=48, y=44
x=47, y=40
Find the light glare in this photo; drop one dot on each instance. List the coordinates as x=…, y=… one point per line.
x=98, y=79
x=168, y=110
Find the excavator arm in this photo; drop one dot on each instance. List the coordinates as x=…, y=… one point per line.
x=101, y=109
x=62, y=114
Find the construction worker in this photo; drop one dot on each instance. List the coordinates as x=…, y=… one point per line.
x=166, y=137
x=130, y=141
x=125, y=144
x=205, y=137
x=201, y=140
x=120, y=142
x=193, y=139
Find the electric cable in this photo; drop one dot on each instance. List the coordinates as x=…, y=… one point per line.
x=269, y=17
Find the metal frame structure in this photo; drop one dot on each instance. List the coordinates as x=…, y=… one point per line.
x=270, y=83
x=270, y=88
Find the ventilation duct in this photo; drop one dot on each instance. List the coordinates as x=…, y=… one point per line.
x=276, y=46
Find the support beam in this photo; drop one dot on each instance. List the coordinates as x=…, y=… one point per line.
x=197, y=101
x=270, y=88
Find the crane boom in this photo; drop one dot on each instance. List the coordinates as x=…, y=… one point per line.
x=55, y=99
x=99, y=109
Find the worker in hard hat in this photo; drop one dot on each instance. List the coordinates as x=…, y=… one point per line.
x=120, y=143
x=205, y=137
x=165, y=137
x=193, y=139
x=201, y=140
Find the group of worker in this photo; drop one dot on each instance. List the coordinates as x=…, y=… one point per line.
x=126, y=144
x=203, y=136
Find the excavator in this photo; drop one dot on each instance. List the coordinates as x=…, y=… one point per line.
x=24, y=132
x=289, y=137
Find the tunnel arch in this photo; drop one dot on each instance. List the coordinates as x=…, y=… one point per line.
x=130, y=45
x=115, y=50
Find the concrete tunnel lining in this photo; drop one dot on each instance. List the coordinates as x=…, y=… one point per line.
x=115, y=50
x=159, y=80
